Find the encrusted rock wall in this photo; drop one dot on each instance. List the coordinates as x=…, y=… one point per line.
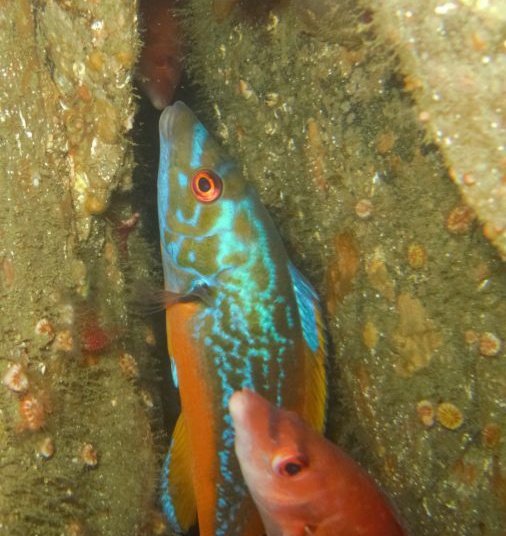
x=455, y=54
x=331, y=120
x=77, y=454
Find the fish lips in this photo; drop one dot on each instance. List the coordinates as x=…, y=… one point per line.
x=171, y=117
x=247, y=409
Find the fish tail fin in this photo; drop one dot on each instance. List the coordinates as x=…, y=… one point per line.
x=177, y=496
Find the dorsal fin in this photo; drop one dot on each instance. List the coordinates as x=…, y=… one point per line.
x=309, y=308
x=313, y=332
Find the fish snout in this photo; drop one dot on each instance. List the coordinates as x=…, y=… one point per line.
x=237, y=406
x=245, y=404
x=170, y=117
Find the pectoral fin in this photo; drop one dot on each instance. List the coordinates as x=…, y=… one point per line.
x=315, y=351
x=178, y=498
x=146, y=300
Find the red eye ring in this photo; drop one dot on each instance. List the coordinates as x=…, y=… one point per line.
x=206, y=186
x=289, y=466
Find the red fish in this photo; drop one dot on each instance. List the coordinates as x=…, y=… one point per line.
x=302, y=483
x=159, y=67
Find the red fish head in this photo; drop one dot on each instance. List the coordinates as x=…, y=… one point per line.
x=159, y=74
x=276, y=453
x=160, y=62
x=300, y=481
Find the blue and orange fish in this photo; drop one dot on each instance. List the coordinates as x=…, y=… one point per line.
x=240, y=315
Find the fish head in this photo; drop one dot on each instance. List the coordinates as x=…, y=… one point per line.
x=201, y=199
x=158, y=71
x=199, y=185
x=276, y=454
x=301, y=482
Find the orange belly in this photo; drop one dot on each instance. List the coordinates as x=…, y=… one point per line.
x=197, y=405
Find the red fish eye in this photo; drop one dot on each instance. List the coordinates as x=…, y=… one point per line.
x=206, y=186
x=289, y=465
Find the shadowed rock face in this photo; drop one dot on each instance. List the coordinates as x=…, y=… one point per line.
x=326, y=114
x=77, y=453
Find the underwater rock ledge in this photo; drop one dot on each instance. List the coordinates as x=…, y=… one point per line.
x=455, y=56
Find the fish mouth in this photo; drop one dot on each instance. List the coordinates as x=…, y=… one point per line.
x=170, y=117
x=244, y=406
x=238, y=406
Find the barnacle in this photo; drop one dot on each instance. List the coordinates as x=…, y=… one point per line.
x=15, y=378
x=89, y=455
x=364, y=208
x=425, y=410
x=489, y=344
x=459, y=220
x=33, y=412
x=46, y=448
x=449, y=416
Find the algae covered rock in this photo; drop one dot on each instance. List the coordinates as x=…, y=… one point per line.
x=316, y=101
x=350, y=124
x=454, y=54
x=77, y=454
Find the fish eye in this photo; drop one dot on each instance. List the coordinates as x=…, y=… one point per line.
x=206, y=186
x=289, y=465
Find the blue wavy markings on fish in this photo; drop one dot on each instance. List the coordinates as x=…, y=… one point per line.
x=240, y=316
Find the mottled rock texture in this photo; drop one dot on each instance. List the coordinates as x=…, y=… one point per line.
x=455, y=54
x=77, y=455
x=332, y=111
